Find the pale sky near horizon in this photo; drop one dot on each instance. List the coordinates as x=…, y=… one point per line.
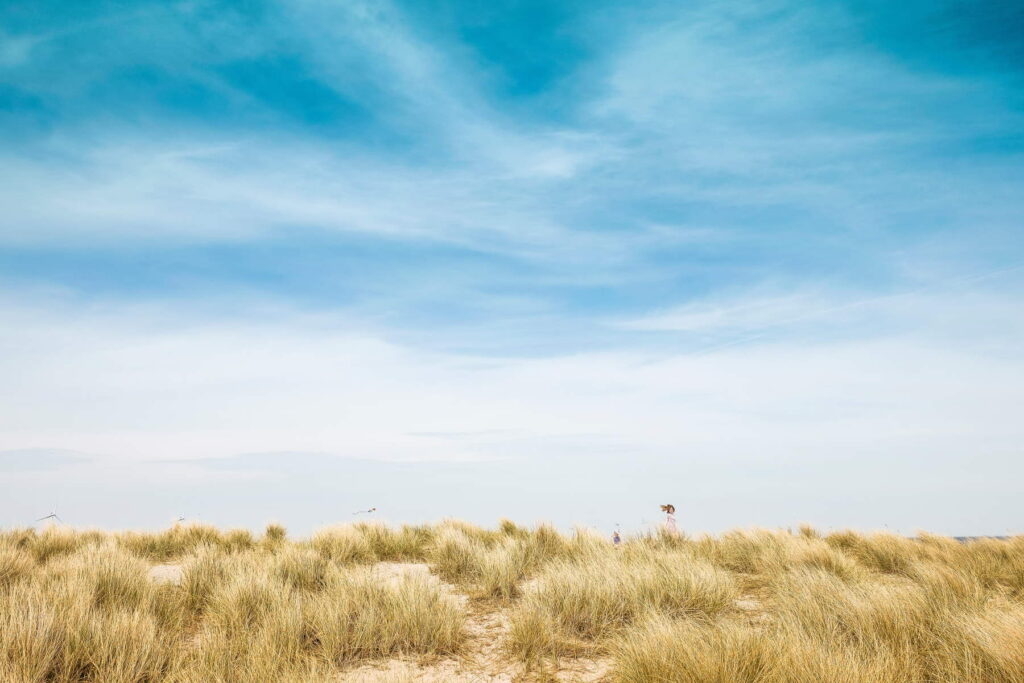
x=555, y=261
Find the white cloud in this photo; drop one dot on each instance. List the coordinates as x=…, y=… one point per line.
x=139, y=384
x=235, y=191
x=738, y=314
x=772, y=431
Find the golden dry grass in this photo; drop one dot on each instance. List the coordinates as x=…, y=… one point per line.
x=751, y=605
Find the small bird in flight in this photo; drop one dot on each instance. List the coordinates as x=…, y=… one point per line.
x=364, y=512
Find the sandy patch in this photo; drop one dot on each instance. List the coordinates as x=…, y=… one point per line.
x=166, y=573
x=748, y=604
x=393, y=572
x=753, y=609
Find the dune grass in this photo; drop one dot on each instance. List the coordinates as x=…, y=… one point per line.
x=80, y=606
x=844, y=607
x=752, y=605
x=574, y=603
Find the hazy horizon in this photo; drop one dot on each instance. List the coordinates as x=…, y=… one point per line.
x=541, y=260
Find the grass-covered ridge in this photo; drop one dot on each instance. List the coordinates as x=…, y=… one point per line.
x=744, y=606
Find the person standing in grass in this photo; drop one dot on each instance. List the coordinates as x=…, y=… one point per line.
x=670, y=519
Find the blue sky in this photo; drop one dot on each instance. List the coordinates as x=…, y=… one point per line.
x=562, y=260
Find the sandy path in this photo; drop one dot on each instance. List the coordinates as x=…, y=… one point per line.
x=482, y=661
